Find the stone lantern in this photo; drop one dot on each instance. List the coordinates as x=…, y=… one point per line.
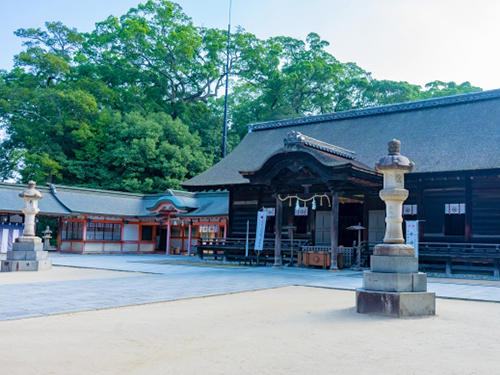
x=393, y=167
x=393, y=286
x=31, y=197
x=27, y=251
x=47, y=235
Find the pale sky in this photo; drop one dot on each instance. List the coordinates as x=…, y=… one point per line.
x=403, y=40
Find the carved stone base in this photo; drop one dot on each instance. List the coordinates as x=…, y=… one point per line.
x=395, y=282
x=393, y=286
x=395, y=304
x=28, y=239
x=25, y=265
x=401, y=250
x=27, y=255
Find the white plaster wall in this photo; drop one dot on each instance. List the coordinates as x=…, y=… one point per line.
x=146, y=247
x=77, y=246
x=130, y=247
x=89, y=247
x=65, y=245
x=176, y=243
x=131, y=232
x=112, y=247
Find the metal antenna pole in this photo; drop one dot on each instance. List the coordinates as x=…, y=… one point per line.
x=224, y=135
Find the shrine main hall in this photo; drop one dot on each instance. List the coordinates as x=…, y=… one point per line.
x=317, y=175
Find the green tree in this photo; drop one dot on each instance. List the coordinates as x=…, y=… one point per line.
x=155, y=59
x=438, y=88
x=135, y=104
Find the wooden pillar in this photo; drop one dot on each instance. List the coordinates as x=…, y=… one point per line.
x=190, y=225
x=366, y=214
x=277, y=242
x=167, y=250
x=334, y=231
x=229, y=222
x=84, y=236
x=468, y=209
x=420, y=209
x=59, y=233
x=448, y=266
x=312, y=224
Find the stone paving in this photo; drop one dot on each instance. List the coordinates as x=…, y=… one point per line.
x=167, y=282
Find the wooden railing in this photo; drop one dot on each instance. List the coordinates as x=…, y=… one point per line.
x=347, y=252
x=450, y=257
x=241, y=243
x=235, y=248
x=479, y=250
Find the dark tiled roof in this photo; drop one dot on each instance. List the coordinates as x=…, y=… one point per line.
x=11, y=202
x=183, y=200
x=101, y=202
x=65, y=200
x=445, y=134
x=210, y=204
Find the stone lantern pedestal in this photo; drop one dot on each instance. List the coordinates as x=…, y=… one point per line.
x=393, y=286
x=27, y=251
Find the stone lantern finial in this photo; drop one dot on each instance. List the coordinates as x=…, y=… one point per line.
x=31, y=192
x=394, y=147
x=394, y=160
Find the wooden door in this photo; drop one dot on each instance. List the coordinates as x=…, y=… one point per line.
x=323, y=224
x=376, y=226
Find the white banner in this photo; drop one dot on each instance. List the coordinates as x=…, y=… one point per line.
x=412, y=234
x=301, y=211
x=261, y=228
x=271, y=211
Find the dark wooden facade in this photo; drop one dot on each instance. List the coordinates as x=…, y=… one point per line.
x=478, y=190
x=449, y=139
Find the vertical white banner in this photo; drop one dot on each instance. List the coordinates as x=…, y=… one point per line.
x=412, y=234
x=261, y=228
x=5, y=241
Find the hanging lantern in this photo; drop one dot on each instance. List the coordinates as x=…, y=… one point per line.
x=313, y=206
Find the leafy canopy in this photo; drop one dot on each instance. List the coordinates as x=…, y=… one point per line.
x=136, y=104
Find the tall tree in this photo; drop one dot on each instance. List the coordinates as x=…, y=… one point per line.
x=135, y=104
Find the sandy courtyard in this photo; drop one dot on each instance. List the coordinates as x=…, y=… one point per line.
x=292, y=330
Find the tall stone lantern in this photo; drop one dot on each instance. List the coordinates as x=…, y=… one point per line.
x=27, y=251
x=393, y=286
x=31, y=197
x=393, y=167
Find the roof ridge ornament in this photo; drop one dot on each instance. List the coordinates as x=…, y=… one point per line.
x=53, y=189
x=297, y=138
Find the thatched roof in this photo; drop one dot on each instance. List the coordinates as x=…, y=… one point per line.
x=445, y=134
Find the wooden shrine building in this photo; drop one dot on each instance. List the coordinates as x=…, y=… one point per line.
x=93, y=221
x=317, y=174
